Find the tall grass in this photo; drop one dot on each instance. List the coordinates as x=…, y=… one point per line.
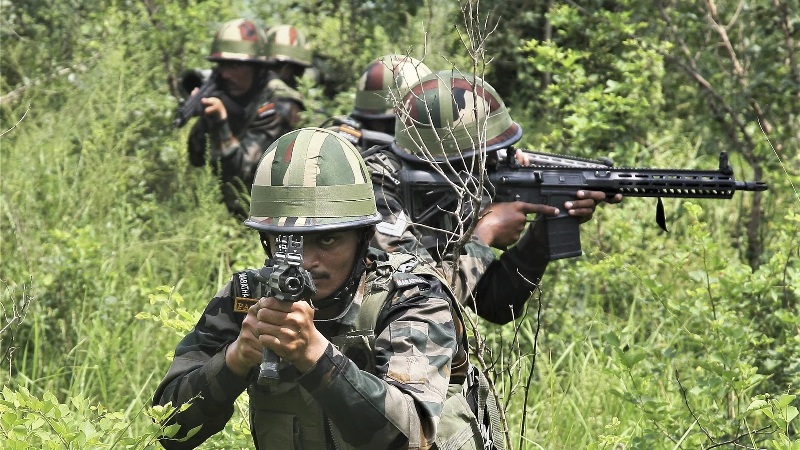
x=643, y=342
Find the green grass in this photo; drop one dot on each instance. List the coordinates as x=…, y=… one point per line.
x=101, y=212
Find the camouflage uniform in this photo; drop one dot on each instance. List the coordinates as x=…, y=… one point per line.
x=393, y=397
x=415, y=342
x=235, y=145
x=286, y=45
x=497, y=287
x=500, y=284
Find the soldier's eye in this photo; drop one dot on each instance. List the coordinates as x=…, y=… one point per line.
x=327, y=240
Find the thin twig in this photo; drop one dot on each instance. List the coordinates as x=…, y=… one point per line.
x=18, y=122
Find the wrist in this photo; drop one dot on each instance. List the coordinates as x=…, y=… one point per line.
x=484, y=234
x=234, y=362
x=314, y=351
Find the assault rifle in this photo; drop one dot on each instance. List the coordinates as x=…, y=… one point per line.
x=288, y=282
x=191, y=106
x=431, y=200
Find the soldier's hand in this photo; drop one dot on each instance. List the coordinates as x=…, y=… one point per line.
x=583, y=208
x=523, y=159
x=287, y=328
x=246, y=351
x=215, y=109
x=501, y=224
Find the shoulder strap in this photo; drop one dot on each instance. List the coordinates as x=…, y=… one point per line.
x=375, y=298
x=401, y=268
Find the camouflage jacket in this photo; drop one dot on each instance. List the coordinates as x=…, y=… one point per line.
x=286, y=103
x=496, y=287
x=414, y=344
x=235, y=145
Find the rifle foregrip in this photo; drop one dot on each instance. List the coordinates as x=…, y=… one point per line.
x=563, y=237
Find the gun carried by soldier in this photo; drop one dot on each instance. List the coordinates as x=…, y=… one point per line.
x=191, y=106
x=430, y=195
x=288, y=282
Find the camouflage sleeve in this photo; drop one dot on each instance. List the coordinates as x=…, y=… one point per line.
x=198, y=375
x=278, y=117
x=473, y=262
x=400, y=406
x=285, y=106
x=240, y=155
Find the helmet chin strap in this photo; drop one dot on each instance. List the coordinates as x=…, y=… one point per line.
x=358, y=267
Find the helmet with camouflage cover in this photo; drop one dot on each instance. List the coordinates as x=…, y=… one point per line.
x=238, y=40
x=383, y=84
x=445, y=115
x=286, y=43
x=311, y=180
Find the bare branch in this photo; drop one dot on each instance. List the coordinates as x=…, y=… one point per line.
x=738, y=70
x=18, y=122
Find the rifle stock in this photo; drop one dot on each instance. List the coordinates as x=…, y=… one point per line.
x=429, y=195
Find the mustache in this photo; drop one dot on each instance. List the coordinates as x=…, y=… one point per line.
x=319, y=275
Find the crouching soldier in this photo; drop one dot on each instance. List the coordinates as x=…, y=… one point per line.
x=361, y=344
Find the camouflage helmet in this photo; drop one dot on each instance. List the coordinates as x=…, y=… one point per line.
x=437, y=121
x=238, y=40
x=383, y=84
x=310, y=180
x=286, y=43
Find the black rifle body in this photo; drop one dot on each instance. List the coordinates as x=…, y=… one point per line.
x=428, y=194
x=191, y=106
x=288, y=282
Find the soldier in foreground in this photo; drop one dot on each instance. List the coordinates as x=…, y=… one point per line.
x=234, y=121
x=366, y=356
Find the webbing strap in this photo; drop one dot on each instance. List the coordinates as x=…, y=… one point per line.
x=312, y=201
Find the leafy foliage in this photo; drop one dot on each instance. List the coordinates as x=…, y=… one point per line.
x=650, y=340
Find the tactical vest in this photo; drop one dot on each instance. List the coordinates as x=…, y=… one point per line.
x=287, y=417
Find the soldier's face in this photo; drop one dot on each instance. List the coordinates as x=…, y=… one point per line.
x=237, y=77
x=329, y=257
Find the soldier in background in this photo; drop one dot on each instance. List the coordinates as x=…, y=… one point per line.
x=288, y=56
x=447, y=135
x=379, y=89
x=232, y=133
x=445, y=120
x=366, y=365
